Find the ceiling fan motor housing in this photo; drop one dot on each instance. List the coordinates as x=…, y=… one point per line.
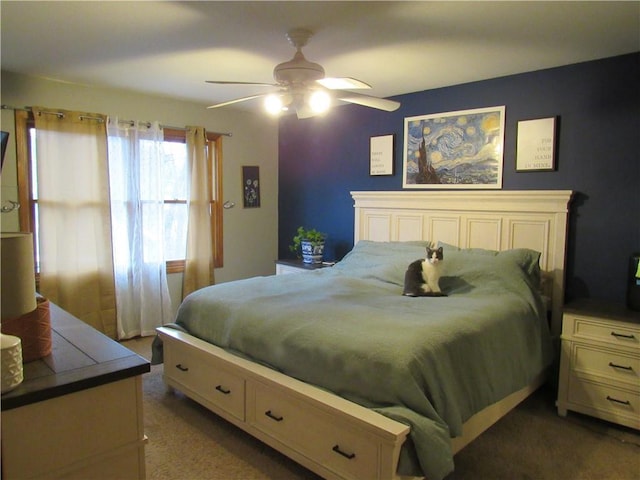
x=298, y=71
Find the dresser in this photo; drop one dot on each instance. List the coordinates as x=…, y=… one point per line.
x=600, y=362
x=78, y=413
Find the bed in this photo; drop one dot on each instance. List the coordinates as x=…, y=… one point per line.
x=339, y=371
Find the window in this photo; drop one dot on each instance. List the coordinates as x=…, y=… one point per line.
x=175, y=189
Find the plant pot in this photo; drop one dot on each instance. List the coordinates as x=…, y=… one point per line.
x=312, y=252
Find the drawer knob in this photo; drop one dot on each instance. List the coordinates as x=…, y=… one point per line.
x=273, y=416
x=221, y=389
x=623, y=335
x=621, y=402
x=337, y=449
x=621, y=367
x=182, y=368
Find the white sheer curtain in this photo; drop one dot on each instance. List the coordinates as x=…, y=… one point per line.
x=74, y=242
x=137, y=204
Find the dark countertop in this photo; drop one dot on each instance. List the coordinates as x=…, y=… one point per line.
x=601, y=308
x=298, y=263
x=81, y=358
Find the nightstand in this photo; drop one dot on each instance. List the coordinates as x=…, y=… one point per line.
x=284, y=267
x=600, y=362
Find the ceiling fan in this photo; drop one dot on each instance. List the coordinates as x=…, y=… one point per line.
x=301, y=86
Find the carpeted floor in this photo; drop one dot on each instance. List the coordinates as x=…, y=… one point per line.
x=187, y=442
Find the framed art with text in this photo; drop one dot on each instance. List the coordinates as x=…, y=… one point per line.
x=535, y=150
x=461, y=149
x=381, y=155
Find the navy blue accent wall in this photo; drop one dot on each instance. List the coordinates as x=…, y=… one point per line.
x=598, y=108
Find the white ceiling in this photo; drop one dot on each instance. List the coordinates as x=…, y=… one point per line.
x=171, y=48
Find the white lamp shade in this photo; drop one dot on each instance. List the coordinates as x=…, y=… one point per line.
x=17, y=275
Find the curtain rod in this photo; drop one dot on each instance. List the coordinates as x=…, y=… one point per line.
x=28, y=109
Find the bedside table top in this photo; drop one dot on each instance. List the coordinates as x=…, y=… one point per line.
x=601, y=308
x=298, y=263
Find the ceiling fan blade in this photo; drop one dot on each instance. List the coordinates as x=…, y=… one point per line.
x=237, y=100
x=342, y=83
x=368, y=101
x=225, y=82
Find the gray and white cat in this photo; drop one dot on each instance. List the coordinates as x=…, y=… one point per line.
x=422, y=277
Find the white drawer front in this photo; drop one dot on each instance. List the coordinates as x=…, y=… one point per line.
x=287, y=269
x=607, y=364
x=343, y=450
x=277, y=415
x=611, y=332
x=623, y=405
x=337, y=446
x=70, y=432
x=205, y=376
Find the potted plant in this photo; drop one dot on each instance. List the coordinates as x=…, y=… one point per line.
x=309, y=243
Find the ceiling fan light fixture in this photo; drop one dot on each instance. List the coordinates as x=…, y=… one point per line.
x=319, y=101
x=273, y=104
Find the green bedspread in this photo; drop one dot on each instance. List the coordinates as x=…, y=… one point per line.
x=428, y=362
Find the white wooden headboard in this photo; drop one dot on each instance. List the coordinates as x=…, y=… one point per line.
x=495, y=220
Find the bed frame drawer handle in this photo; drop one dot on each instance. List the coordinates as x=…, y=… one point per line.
x=622, y=402
x=182, y=368
x=337, y=449
x=273, y=416
x=621, y=367
x=622, y=335
x=221, y=389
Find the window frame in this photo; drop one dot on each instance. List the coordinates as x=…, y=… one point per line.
x=24, y=120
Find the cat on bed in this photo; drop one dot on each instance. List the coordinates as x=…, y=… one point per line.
x=423, y=276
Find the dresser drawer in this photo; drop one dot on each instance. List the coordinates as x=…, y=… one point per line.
x=340, y=447
x=605, y=363
x=204, y=375
x=615, y=333
x=71, y=433
x=616, y=404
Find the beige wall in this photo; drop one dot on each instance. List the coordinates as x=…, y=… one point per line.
x=250, y=235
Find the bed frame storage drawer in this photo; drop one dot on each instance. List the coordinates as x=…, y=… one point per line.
x=319, y=430
x=205, y=376
x=340, y=447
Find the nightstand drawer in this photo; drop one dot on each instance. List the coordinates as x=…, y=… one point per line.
x=617, y=404
x=610, y=332
x=608, y=364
